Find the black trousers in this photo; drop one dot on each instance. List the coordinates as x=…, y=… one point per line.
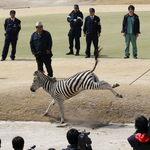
x=46, y=59
x=89, y=38
x=74, y=35
x=13, y=40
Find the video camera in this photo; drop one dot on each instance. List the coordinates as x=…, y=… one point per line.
x=84, y=142
x=33, y=147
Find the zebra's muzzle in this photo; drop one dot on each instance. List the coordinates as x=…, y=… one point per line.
x=32, y=89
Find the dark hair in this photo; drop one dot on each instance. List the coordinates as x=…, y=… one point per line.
x=18, y=142
x=141, y=123
x=132, y=7
x=51, y=149
x=0, y=142
x=72, y=136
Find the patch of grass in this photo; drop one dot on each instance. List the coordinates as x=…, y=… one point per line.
x=111, y=38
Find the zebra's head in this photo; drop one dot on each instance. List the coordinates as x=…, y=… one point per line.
x=36, y=81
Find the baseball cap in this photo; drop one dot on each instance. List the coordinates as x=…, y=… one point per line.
x=12, y=12
x=76, y=6
x=91, y=10
x=39, y=24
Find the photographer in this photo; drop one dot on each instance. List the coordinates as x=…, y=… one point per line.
x=72, y=137
x=140, y=139
x=18, y=143
x=78, y=140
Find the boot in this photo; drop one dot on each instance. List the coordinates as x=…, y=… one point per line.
x=77, y=53
x=70, y=53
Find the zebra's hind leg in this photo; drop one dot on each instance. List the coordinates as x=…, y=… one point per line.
x=61, y=106
x=106, y=86
x=52, y=103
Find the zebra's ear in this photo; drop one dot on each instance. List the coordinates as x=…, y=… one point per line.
x=35, y=73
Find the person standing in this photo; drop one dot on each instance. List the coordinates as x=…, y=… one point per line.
x=92, y=30
x=75, y=19
x=131, y=30
x=12, y=27
x=41, y=45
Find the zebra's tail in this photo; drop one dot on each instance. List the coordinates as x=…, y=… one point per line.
x=96, y=57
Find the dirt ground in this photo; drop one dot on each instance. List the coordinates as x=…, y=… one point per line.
x=45, y=135
x=17, y=102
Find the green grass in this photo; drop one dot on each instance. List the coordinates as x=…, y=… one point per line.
x=111, y=39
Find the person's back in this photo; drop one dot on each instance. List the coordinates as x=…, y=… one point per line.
x=140, y=139
x=72, y=137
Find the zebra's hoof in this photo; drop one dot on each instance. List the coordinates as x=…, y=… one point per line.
x=62, y=122
x=120, y=96
x=117, y=85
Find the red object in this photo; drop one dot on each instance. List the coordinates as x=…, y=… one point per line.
x=142, y=137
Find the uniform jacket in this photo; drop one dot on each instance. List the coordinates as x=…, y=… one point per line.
x=92, y=26
x=136, y=24
x=12, y=27
x=139, y=141
x=41, y=43
x=75, y=25
x=71, y=147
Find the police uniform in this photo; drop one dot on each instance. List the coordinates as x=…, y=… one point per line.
x=76, y=22
x=12, y=28
x=91, y=28
x=39, y=45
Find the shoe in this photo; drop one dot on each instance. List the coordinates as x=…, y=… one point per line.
x=2, y=59
x=87, y=56
x=77, y=54
x=70, y=53
x=12, y=58
x=126, y=57
x=135, y=57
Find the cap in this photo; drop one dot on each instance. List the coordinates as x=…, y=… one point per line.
x=12, y=12
x=91, y=10
x=39, y=24
x=76, y=6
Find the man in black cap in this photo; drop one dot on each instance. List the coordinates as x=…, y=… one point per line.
x=75, y=19
x=12, y=27
x=92, y=30
x=41, y=45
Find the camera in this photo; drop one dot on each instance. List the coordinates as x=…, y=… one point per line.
x=33, y=147
x=84, y=142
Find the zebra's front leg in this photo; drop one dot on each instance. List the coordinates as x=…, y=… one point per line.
x=52, y=103
x=61, y=106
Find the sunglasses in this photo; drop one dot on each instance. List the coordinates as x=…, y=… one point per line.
x=40, y=27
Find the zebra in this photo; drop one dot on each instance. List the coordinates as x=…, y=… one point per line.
x=64, y=89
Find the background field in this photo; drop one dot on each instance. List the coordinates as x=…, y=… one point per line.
x=111, y=38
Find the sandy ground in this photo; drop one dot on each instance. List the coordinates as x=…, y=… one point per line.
x=47, y=135
x=67, y=9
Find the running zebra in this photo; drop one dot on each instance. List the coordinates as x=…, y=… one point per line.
x=61, y=90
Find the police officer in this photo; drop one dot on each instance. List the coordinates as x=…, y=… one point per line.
x=41, y=45
x=75, y=19
x=12, y=27
x=92, y=30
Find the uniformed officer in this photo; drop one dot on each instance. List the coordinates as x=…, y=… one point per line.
x=75, y=19
x=92, y=30
x=12, y=27
x=41, y=45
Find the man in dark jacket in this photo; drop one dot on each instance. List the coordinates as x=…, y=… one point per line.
x=12, y=27
x=92, y=30
x=72, y=137
x=75, y=19
x=140, y=139
x=131, y=30
x=41, y=45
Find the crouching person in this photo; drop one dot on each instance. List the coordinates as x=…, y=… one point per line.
x=140, y=139
x=18, y=143
x=78, y=140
